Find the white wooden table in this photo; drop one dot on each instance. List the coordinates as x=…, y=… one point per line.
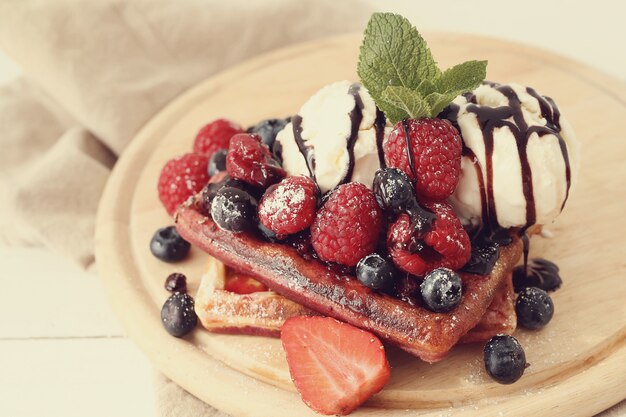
x=63, y=353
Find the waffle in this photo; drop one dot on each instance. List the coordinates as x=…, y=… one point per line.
x=421, y=332
x=263, y=313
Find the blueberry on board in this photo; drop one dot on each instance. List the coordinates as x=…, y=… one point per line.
x=176, y=282
x=441, y=290
x=505, y=360
x=233, y=209
x=534, y=308
x=167, y=245
x=268, y=129
x=217, y=162
x=375, y=272
x=178, y=315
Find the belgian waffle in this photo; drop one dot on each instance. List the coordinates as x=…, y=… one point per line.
x=311, y=284
x=263, y=313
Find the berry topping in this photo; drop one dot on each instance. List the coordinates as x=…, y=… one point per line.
x=347, y=226
x=446, y=245
x=393, y=190
x=505, y=360
x=220, y=181
x=176, y=282
x=539, y=273
x=335, y=367
x=167, y=245
x=375, y=272
x=178, y=315
x=534, y=308
x=250, y=160
x=268, y=129
x=434, y=161
x=242, y=284
x=289, y=207
x=181, y=178
x=233, y=209
x=441, y=290
x=217, y=162
x=215, y=136
x=486, y=246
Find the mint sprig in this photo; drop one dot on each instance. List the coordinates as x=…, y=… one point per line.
x=401, y=75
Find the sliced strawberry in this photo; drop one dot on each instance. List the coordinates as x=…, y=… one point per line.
x=242, y=284
x=336, y=367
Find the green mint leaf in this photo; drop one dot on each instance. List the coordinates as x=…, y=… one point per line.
x=400, y=103
x=463, y=77
x=398, y=70
x=393, y=54
x=437, y=102
x=426, y=87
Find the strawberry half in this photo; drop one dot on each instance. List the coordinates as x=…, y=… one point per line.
x=335, y=366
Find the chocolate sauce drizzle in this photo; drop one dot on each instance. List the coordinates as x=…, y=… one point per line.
x=356, y=116
x=379, y=125
x=539, y=273
x=409, y=148
x=306, y=151
x=491, y=118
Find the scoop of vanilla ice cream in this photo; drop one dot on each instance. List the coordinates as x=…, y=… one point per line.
x=545, y=156
x=326, y=130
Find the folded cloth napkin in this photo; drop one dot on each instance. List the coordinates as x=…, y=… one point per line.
x=94, y=74
x=97, y=71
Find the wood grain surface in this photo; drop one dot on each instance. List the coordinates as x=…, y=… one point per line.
x=578, y=362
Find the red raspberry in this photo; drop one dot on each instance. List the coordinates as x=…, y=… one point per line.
x=251, y=161
x=181, y=178
x=289, y=207
x=215, y=136
x=445, y=245
x=436, y=147
x=347, y=226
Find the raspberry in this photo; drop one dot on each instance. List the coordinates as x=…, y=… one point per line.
x=436, y=147
x=251, y=161
x=215, y=136
x=289, y=207
x=445, y=245
x=347, y=226
x=181, y=178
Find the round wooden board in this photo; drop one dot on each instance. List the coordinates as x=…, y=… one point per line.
x=578, y=361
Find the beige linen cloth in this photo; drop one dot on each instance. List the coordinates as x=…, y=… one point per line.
x=94, y=74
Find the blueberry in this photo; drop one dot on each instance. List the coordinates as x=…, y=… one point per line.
x=178, y=315
x=375, y=272
x=268, y=129
x=441, y=290
x=233, y=209
x=176, y=282
x=534, y=308
x=505, y=360
x=210, y=191
x=217, y=162
x=168, y=245
x=393, y=190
